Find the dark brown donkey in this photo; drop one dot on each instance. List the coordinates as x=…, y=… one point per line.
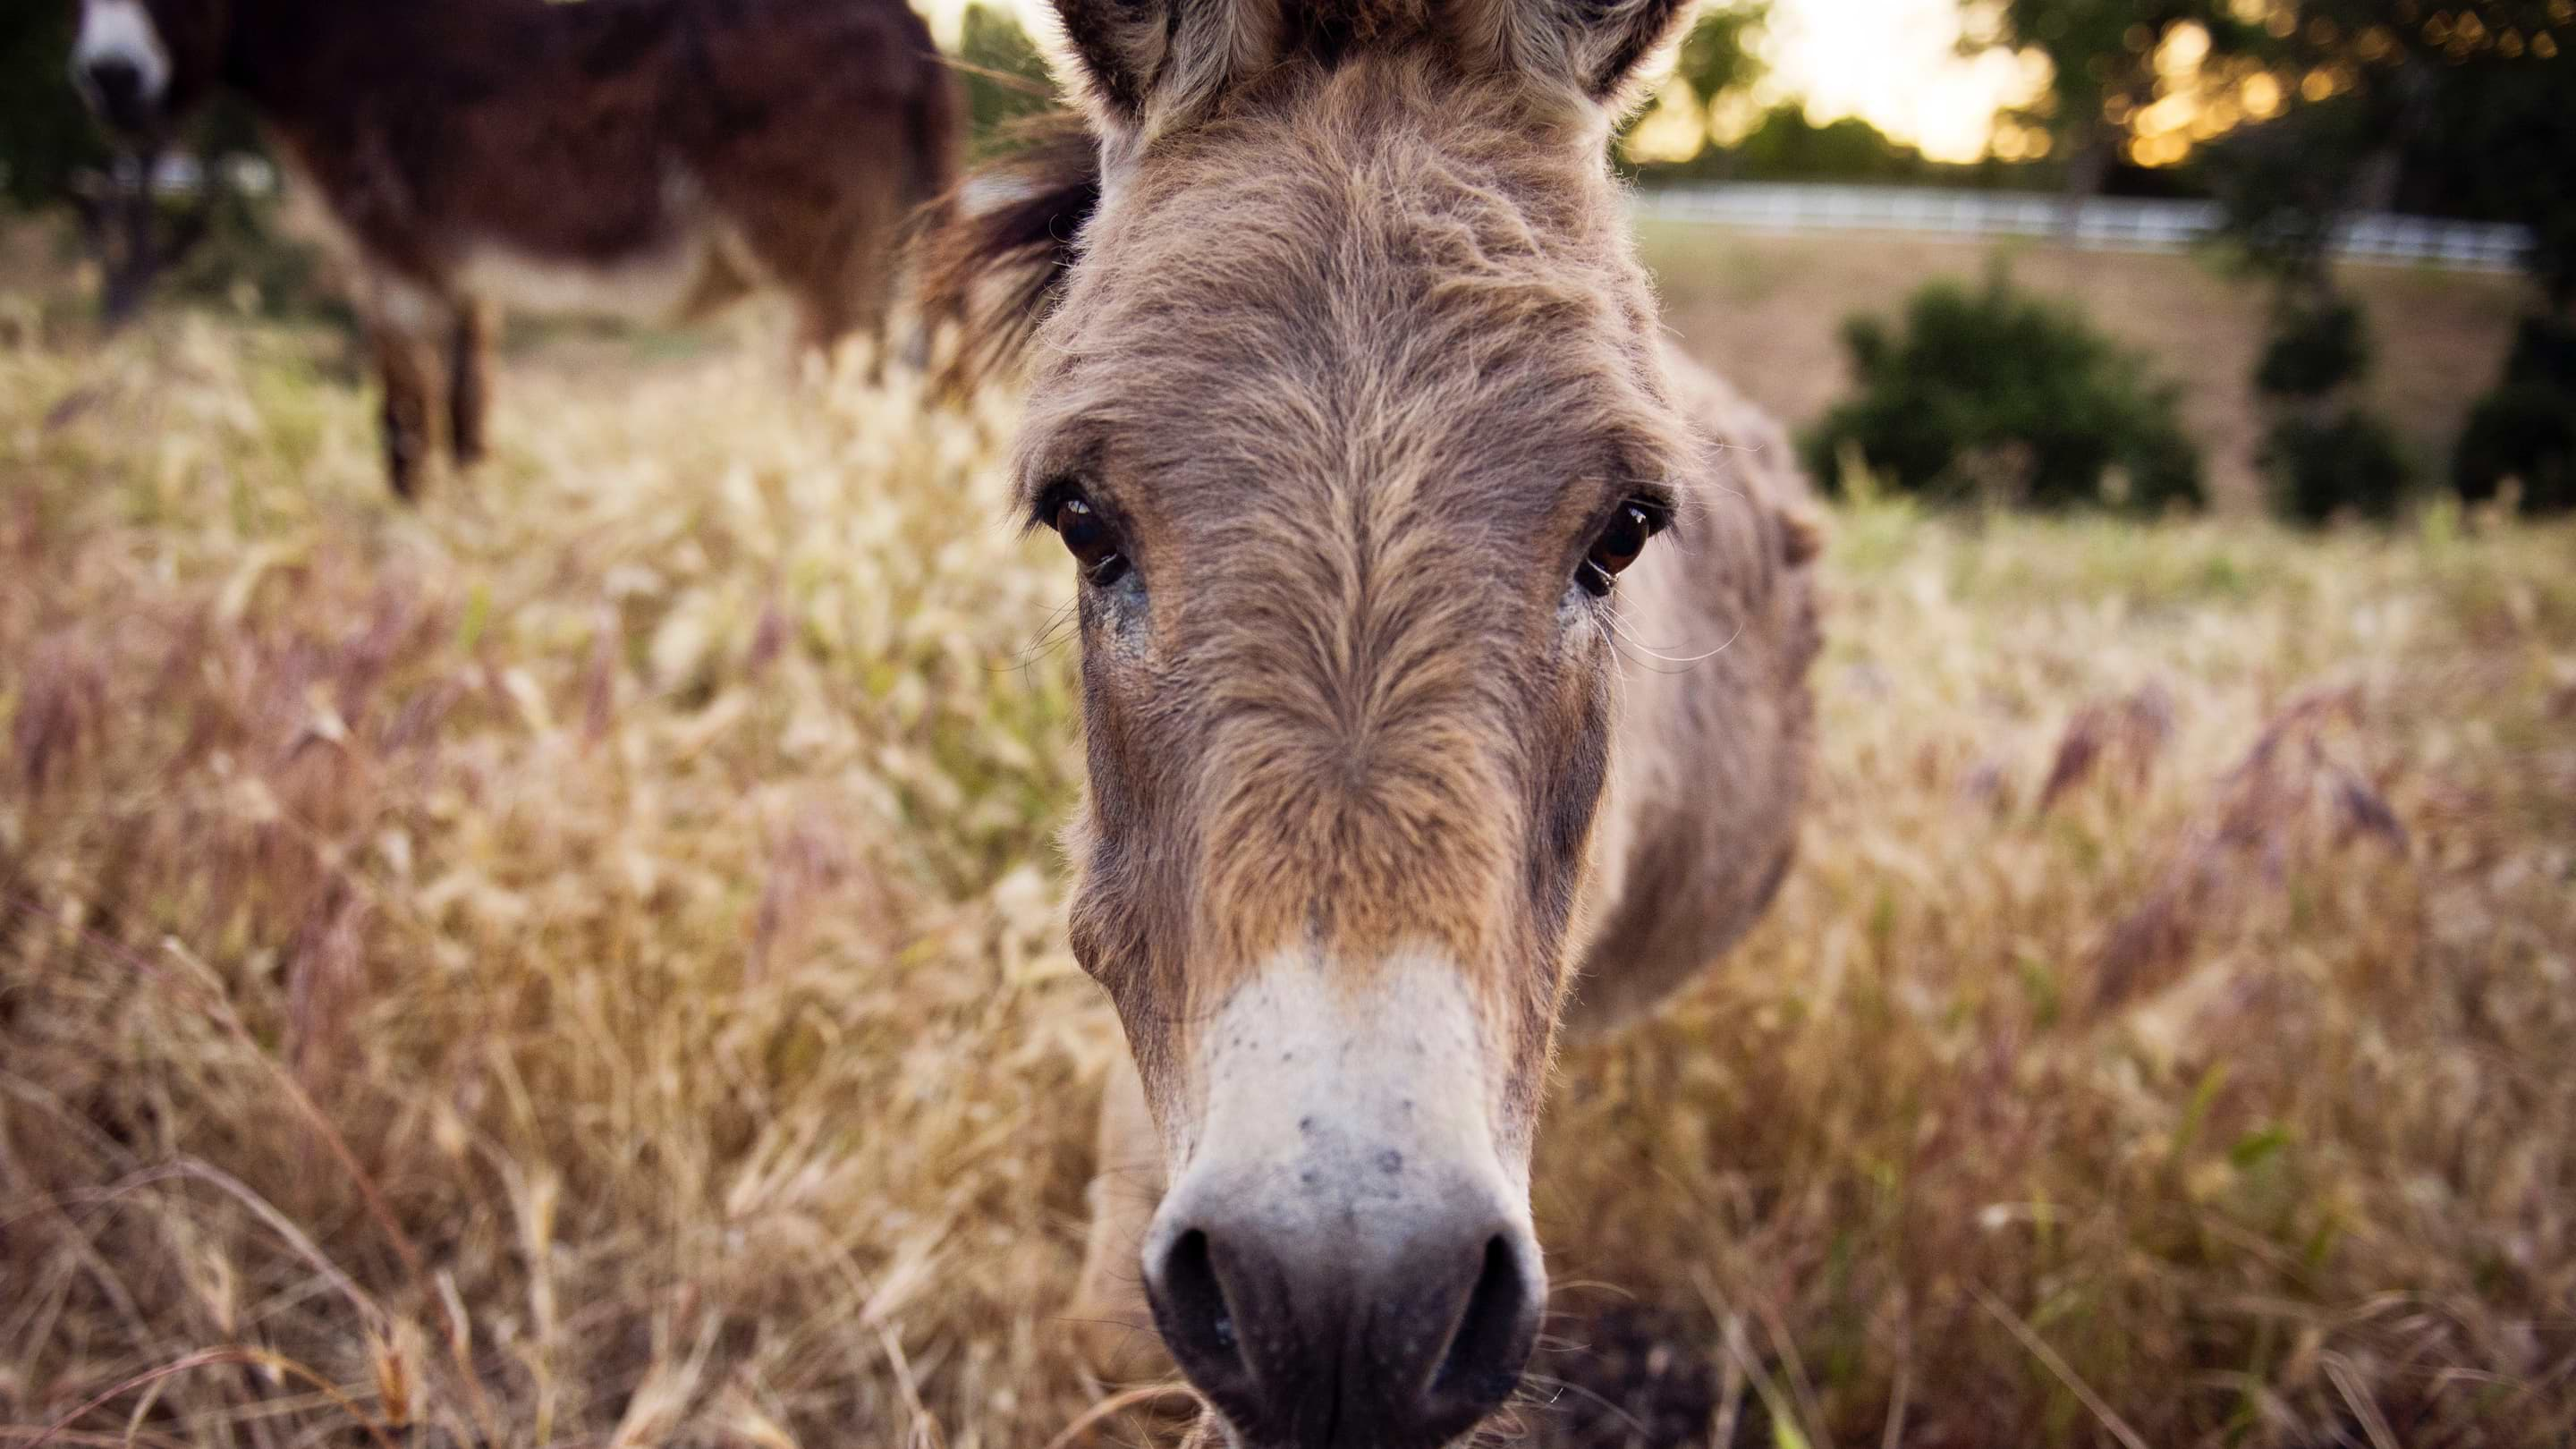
x=1445, y=640
x=634, y=156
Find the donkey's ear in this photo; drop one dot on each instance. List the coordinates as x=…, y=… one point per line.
x=1120, y=45
x=1596, y=46
x=1616, y=38
x=993, y=254
x=1166, y=52
x=1169, y=55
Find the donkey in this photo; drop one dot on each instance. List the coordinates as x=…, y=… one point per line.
x=640, y=157
x=1444, y=654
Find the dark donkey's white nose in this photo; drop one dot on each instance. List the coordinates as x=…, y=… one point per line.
x=1394, y=1318
x=119, y=62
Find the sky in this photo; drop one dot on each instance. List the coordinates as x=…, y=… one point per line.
x=1891, y=62
x=1894, y=63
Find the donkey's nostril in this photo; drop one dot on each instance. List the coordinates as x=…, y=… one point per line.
x=1191, y=1279
x=1197, y=1321
x=115, y=87
x=1492, y=1337
x=119, y=81
x=1306, y=1328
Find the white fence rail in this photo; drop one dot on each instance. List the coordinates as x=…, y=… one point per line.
x=1788, y=209
x=2103, y=223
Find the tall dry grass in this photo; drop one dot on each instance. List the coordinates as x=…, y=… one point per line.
x=580, y=963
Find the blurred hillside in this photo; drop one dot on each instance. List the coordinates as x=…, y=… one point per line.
x=1767, y=312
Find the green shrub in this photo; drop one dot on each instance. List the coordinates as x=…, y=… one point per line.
x=2544, y=350
x=1990, y=391
x=2314, y=349
x=2526, y=429
x=2321, y=467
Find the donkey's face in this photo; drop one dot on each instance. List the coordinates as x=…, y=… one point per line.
x=1350, y=416
x=141, y=65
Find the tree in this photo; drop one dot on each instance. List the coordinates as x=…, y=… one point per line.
x=2104, y=66
x=1004, y=75
x=1717, y=58
x=1716, y=63
x=45, y=133
x=2468, y=108
x=2497, y=142
x=2465, y=109
x=1786, y=143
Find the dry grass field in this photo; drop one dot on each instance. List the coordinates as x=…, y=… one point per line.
x=579, y=963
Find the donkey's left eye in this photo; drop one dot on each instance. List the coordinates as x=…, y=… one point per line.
x=1089, y=538
x=1618, y=544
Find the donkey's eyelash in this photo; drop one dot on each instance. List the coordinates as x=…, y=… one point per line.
x=1656, y=497
x=1661, y=504
x=1049, y=497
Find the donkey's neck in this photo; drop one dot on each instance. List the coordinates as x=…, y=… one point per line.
x=1708, y=767
x=321, y=62
x=280, y=54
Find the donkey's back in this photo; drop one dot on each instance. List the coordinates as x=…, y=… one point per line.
x=644, y=157
x=707, y=144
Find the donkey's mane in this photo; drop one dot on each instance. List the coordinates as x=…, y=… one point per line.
x=995, y=266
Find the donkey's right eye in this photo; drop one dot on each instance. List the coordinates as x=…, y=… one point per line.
x=1089, y=538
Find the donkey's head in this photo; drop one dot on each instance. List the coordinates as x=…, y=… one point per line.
x=142, y=63
x=1346, y=402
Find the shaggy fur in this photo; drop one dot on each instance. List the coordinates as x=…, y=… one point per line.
x=1346, y=337
x=996, y=268
x=658, y=156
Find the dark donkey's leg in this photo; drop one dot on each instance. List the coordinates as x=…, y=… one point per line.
x=410, y=384
x=843, y=280
x=407, y=326
x=831, y=248
x=852, y=291
x=469, y=380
